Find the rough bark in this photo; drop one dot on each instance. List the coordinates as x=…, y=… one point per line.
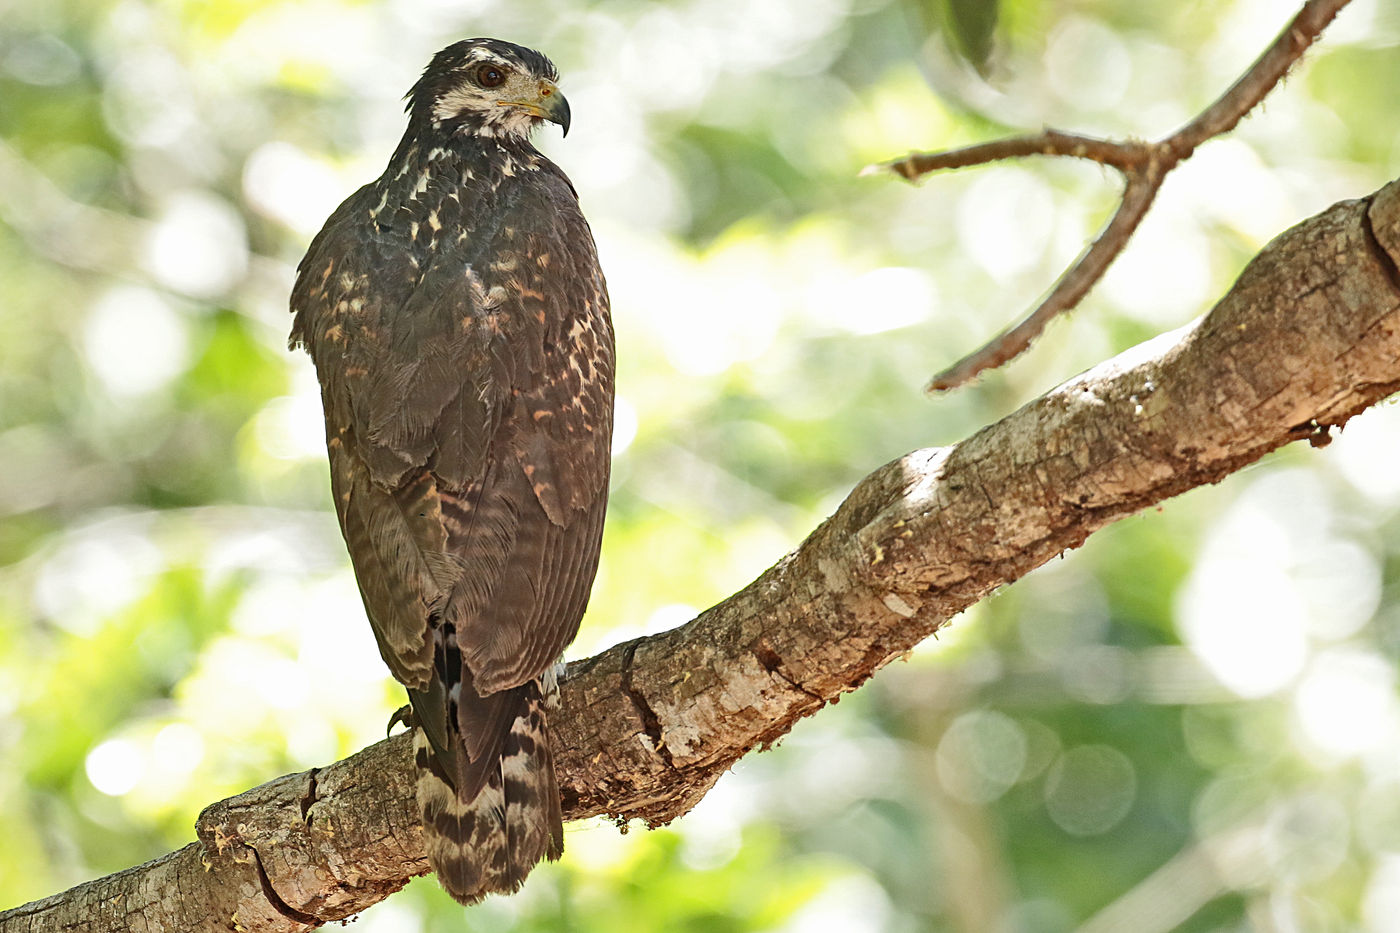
x=1308, y=336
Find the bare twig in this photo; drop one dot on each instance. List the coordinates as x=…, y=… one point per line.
x=1127, y=155
x=1144, y=166
x=1071, y=287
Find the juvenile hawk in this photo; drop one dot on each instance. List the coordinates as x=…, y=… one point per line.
x=459, y=324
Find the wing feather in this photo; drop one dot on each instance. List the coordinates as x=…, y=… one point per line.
x=468, y=395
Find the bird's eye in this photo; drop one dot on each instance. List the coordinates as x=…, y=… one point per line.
x=490, y=76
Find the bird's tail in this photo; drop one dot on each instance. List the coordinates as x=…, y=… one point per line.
x=488, y=843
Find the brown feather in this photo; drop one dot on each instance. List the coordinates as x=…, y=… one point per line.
x=459, y=324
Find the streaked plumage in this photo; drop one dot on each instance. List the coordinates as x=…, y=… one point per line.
x=459, y=324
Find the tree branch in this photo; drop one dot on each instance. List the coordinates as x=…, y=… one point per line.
x=1144, y=165
x=1308, y=337
x=1069, y=290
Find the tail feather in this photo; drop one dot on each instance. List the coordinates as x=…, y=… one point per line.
x=488, y=844
x=533, y=822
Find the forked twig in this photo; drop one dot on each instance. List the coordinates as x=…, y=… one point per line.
x=1144, y=166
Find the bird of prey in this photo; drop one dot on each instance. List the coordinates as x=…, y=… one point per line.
x=459, y=324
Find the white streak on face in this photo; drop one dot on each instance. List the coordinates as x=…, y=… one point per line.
x=468, y=97
x=461, y=98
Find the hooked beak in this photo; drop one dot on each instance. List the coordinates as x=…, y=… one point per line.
x=548, y=104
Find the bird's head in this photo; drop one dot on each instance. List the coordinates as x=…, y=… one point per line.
x=486, y=87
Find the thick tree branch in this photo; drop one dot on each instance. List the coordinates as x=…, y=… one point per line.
x=1308, y=337
x=1145, y=165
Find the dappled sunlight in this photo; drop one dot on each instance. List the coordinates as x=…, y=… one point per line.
x=115, y=767
x=981, y=755
x=1089, y=789
x=1191, y=722
x=135, y=341
x=283, y=182
x=290, y=427
x=198, y=246
x=1272, y=581
x=850, y=905
x=1347, y=706
x=624, y=425
x=1366, y=454
x=1381, y=904
x=93, y=576
x=1004, y=220
x=1087, y=64
x=1164, y=277
x=897, y=116
x=1244, y=623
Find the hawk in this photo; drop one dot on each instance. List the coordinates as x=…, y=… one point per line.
x=459, y=324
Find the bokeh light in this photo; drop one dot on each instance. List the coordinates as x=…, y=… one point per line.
x=1191, y=723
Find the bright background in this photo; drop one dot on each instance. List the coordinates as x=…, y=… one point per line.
x=1194, y=718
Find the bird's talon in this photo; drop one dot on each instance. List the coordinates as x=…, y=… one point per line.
x=404, y=714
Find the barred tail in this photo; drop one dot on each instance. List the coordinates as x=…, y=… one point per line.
x=489, y=843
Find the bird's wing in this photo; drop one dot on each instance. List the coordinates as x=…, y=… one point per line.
x=469, y=415
x=550, y=459
x=352, y=287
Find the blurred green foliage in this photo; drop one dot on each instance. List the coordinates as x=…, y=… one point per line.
x=1191, y=722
